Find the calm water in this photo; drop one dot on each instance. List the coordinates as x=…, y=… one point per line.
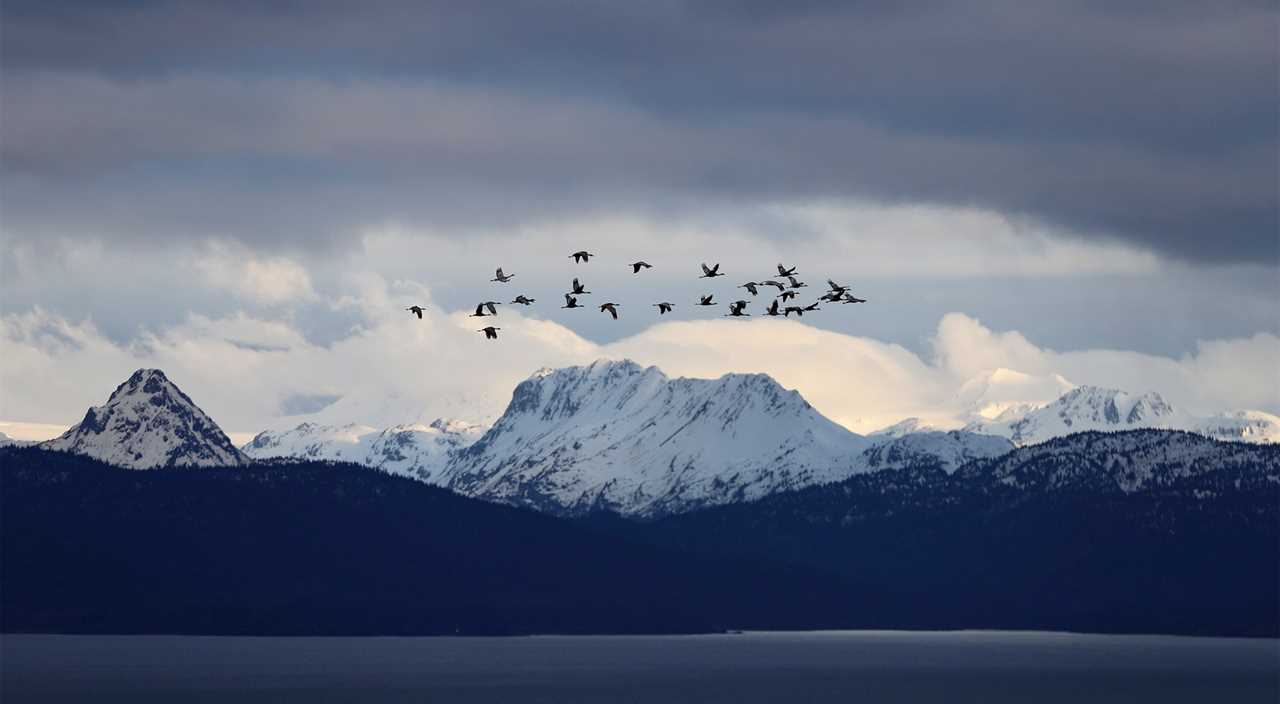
x=754, y=667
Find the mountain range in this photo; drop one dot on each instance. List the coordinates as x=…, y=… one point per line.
x=678, y=505
x=624, y=438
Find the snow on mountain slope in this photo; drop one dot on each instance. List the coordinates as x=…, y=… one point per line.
x=148, y=422
x=6, y=441
x=1130, y=461
x=413, y=450
x=1241, y=426
x=619, y=436
x=948, y=449
x=1094, y=408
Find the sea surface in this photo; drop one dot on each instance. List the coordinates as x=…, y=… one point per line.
x=835, y=666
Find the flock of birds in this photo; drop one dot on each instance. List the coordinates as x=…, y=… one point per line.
x=787, y=292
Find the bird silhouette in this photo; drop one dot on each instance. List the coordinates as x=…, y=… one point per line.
x=581, y=256
x=490, y=333
x=492, y=306
x=750, y=286
x=787, y=295
x=612, y=309
x=836, y=288
x=736, y=309
x=784, y=271
x=663, y=308
x=710, y=272
x=570, y=302
x=849, y=298
x=773, y=308
x=776, y=284
x=637, y=266
x=706, y=300
x=832, y=296
x=522, y=300
x=416, y=310
x=578, y=288
x=501, y=277
x=812, y=307
x=796, y=284
x=480, y=312
x=793, y=309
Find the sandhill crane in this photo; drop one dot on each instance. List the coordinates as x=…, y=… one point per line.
x=710, y=272
x=501, y=277
x=750, y=286
x=570, y=302
x=773, y=308
x=812, y=307
x=787, y=295
x=522, y=300
x=578, y=288
x=775, y=284
x=637, y=266
x=416, y=310
x=581, y=256
x=492, y=306
x=480, y=312
x=796, y=284
x=836, y=288
x=706, y=300
x=833, y=296
x=784, y=271
x=793, y=309
x=663, y=308
x=849, y=298
x=736, y=309
x=611, y=308
x=490, y=333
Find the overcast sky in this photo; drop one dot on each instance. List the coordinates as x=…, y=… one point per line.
x=248, y=194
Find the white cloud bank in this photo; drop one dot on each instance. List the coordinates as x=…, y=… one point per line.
x=393, y=368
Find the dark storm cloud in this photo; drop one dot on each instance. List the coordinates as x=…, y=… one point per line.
x=1151, y=122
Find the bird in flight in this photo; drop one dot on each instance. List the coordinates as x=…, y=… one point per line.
x=570, y=302
x=416, y=310
x=787, y=295
x=773, y=308
x=836, y=288
x=736, y=309
x=612, y=309
x=710, y=272
x=663, y=308
x=776, y=284
x=501, y=277
x=793, y=309
x=578, y=288
x=750, y=286
x=849, y=298
x=524, y=301
x=481, y=308
x=490, y=333
x=812, y=307
x=637, y=266
x=796, y=284
x=706, y=300
x=581, y=256
x=784, y=271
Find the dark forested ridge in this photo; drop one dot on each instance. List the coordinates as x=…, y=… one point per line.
x=312, y=548
x=1147, y=531
x=1140, y=532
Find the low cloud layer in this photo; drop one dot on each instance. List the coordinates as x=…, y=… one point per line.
x=252, y=374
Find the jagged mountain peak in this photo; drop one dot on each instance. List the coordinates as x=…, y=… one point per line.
x=149, y=422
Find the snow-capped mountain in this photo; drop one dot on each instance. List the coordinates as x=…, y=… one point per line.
x=146, y=423
x=6, y=441
x=620, y=436
x=1093, y=408
x=946, y=449
x=413, y=450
